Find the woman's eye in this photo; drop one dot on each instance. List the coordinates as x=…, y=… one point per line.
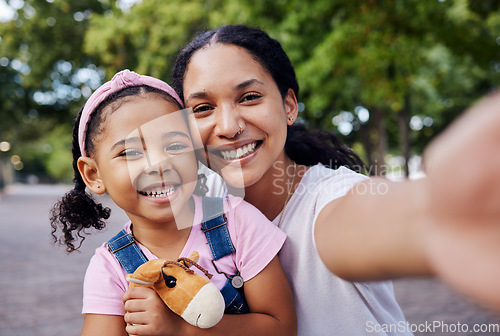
x=201, y=109
x=250, y=96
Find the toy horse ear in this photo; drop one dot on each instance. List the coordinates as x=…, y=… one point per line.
x=147, y=274
x=139, y=282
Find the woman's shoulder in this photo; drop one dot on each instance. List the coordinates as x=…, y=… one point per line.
x=320, y=174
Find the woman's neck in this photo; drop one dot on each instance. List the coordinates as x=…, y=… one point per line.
x=271, y=193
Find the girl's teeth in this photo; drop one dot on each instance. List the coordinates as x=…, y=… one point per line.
x=160, y=193
x=240, y=152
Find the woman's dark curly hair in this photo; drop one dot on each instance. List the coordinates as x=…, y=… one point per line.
x=302, y=146
x=77, y=211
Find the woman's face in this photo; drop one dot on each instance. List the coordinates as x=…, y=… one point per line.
x=229, y=91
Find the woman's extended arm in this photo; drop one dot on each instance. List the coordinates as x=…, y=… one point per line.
x=105, y=325
x=268, y=295
x=447, y=224
x=375, y=232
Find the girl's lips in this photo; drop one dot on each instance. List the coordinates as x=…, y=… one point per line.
x=160, y=194
x=238, y=152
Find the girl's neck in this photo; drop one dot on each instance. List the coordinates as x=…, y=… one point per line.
x=165, y=240
x=274, y=189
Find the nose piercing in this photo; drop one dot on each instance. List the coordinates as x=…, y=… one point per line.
x=240, y=131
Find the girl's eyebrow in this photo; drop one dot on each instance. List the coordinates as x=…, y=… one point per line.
x=242, y=85
x=137, y=139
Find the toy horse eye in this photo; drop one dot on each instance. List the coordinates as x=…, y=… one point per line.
x=170, y=281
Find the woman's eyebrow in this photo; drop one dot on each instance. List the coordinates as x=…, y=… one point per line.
x=240, y=86
x=201, y=94
x=248, y=83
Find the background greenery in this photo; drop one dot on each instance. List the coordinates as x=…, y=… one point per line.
x=387, y=75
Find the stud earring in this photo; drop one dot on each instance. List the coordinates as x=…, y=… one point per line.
x=290, y=119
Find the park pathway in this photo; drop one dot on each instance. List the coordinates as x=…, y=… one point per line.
x=41, y=286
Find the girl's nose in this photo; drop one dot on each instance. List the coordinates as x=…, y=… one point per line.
x=158, y=163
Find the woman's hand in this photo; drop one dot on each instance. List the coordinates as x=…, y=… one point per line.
x=147, y=315
x=463, y=167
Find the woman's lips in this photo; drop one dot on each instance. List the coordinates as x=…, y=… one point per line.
x=237, y=153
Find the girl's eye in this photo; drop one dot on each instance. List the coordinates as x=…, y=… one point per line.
x=176, y=147
x=250, y=96
x=130, y=153
x=202, y=109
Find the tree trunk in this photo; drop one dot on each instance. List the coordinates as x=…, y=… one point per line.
x=404, y=133
x=381, y=143
x=365, y=133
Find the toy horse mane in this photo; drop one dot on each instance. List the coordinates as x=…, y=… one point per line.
x=186, y=293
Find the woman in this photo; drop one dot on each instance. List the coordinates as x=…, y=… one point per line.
x=242, y=89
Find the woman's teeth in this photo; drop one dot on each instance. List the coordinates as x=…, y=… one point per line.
x=159, y=193
x=240, y=152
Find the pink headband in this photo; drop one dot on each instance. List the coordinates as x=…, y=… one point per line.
x=120, y=81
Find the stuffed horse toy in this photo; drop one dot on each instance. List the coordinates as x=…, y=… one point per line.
x=186, y=293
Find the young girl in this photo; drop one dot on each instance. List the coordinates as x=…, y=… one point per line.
x=131, y=141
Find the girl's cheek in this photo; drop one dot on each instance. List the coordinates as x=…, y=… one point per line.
x=135, y=170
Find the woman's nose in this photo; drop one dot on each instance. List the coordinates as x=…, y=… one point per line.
x=227, y=120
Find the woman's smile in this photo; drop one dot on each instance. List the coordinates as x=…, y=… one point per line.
x=237, y=152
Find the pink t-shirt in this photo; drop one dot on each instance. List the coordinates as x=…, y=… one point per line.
x=255, y=238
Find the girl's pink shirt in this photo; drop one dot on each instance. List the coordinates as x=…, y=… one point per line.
x=256, y=240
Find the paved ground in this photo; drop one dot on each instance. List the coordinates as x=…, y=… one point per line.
x=40, y=285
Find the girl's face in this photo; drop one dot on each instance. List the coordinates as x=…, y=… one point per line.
x=228, y=90
x=145, y=159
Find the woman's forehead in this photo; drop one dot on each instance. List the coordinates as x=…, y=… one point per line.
x=221, y=65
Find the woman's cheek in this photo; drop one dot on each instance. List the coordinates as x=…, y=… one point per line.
x=204, y=129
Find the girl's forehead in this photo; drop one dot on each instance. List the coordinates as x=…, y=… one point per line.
x=150, y=114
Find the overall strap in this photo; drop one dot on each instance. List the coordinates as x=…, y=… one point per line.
x=126, y=251
x=215, y=229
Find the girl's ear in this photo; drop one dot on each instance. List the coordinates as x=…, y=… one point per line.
x=291, y=107
x=90, y=175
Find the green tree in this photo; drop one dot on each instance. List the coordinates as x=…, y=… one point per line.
x=373, y=67
x=44, y=75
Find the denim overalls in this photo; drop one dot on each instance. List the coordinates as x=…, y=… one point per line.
x=130, y=256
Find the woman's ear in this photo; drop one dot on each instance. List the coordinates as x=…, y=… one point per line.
x=291, y=107
x=90, y=175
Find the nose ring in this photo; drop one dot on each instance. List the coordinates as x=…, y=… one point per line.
x=240, y=131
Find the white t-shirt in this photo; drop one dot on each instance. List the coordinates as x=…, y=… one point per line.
x=325, y=304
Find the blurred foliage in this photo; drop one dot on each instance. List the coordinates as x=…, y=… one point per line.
x=407, y=63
